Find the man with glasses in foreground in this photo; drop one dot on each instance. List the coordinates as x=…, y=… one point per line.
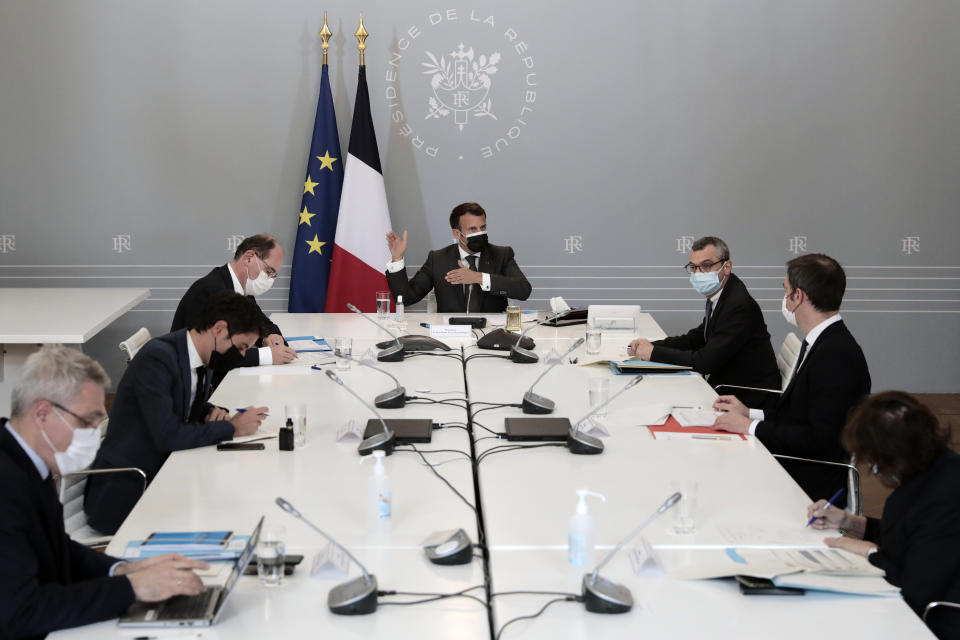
x=253, y=270
x=731, y=345
x=50, y=582
x=161, y=406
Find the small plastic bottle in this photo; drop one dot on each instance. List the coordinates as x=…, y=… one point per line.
x=286, y=436
x=379, y=496
x=399, y=317
x=580, y=539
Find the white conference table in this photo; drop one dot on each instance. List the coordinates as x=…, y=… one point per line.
x=527, y=498
x=34, y=316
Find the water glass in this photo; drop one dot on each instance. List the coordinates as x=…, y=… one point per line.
x=383, y=305
x=343, y=349
x=271, y=551
x=685, y=511
x=599, y=393
x=298, y=414
x=593, y=341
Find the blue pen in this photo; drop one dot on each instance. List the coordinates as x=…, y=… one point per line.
x=829, y=504
x=244, y=411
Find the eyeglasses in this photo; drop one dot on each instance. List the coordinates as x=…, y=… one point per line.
x=85, y=423
x=271, y=272
x=703, y=267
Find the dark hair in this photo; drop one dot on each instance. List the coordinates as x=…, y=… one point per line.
x=896, y=432
x=241, y=314
x=723, y=251
x=467, y=207
x=262, y=244
x=820, y=277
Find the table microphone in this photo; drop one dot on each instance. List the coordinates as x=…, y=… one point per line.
x=393, y=353
x=525, y=356
x=396, y=398
x=385, y=440
x=581, y=443
x=533, y=403
x=354, y=597
x=601, y=595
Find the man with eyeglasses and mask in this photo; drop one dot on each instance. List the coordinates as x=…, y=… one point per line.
x=161, y=405
x=50, y=582
x=471, y=270
x=829, y=379
x=731, y=345
x=253, y=270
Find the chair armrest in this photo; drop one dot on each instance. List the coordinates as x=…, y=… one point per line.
x=97, y=472
x=854, y=505
x=737, y=386
x=933, y=605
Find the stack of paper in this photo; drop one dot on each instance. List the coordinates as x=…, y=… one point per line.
x=203, y=545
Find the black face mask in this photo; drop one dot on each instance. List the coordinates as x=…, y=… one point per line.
x=223, y=362
x=477, y=243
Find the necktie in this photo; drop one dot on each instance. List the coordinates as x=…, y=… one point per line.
x=796, y=367
x=706, y=317
x=472, y=263
x=200, y=399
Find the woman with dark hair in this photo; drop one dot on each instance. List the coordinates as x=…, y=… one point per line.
x=917, y=541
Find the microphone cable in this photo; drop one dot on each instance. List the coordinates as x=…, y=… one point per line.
x=569, y=598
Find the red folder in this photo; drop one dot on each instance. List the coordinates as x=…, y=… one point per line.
x=672, y=426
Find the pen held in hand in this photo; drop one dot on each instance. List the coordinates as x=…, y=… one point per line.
x=826, y=506
x=244, y=411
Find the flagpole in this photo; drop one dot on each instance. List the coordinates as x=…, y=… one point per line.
x=325, y=35
x=361, y=36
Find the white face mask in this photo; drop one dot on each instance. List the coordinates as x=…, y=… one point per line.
x=81, y=451
x=789, y=316
x=259, y=285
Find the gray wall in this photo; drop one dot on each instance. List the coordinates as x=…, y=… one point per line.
x=182, y=124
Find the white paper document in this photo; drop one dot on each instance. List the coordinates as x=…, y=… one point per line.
x=695, y=417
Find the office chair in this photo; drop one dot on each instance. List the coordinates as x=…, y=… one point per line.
x=132, y=345
x=854, y=500
x=786, y=361
x=71, y=497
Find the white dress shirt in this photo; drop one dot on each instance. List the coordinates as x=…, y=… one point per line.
x=266, y=356
x=757, y=414
x=393, y=267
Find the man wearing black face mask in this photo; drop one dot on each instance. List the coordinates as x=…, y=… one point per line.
x=252, y=272
x=161, y=405
x=472, y=269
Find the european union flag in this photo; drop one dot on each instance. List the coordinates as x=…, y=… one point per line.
x=317, y=220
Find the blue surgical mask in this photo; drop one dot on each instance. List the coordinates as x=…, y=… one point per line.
x=707, y=283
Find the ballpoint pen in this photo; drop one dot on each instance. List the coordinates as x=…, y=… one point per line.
x=829, y=504
x=244, y=411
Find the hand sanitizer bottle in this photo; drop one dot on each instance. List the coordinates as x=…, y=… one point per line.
x=580, y=540
x=379, y=496
x=399, y=317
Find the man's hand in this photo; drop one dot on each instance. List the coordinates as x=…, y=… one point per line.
x=732, y=405
x=853, y=545
x=640, y=347
x=464, y=275
x=159, y=578
x=281, y=353
x=217, y=413
x=736, y=418
x=397, y=245
x=247, y=422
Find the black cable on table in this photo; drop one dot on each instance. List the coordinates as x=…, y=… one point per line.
x=489, y=430
x=493, y=405
x=413, y=354
x=513, y=447
x=536, y=593
x=422, y=451
x=432, y=596
x=483, y=355
x=437, y=473
x=537, y=614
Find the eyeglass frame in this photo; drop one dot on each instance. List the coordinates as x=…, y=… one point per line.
x=270, y=271
x=84, y=424
x=702, y=267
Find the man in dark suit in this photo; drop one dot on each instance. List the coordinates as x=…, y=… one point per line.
x=252, y=272
x=161, y=405
x=48, y=581
x=830, y=377
x=731, y=345
x=473, y=269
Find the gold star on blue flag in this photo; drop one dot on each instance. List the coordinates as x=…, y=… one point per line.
x=317, y=218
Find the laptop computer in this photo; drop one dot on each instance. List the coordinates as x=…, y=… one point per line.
x=407, y=429
x=542, y=429
x=201, y=610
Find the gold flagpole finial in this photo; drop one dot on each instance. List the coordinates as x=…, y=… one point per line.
x=361, y=35
x=325, y=35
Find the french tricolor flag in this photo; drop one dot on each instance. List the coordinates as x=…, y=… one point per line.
x=360, y=252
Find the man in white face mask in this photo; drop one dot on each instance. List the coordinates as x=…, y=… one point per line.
x=48, y=581
x=731, y=345
x=830, y=377
x=252, y=272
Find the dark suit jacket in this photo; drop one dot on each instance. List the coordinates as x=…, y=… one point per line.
x=48, y=581
x=506, y=281
x=193, y=301
x=737, y=347
x=917, y=541
x=148, y=420
x=808, y=417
